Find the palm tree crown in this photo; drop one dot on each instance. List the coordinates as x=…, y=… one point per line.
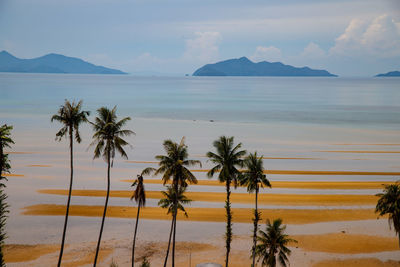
x=5, y=142
x=389, y=203
x=253, y=176
x=226, y=159
x=273, y=242
x=71, y=116
x=139, y=195
x=171, y=196
x=108, y=134
x=174, y=164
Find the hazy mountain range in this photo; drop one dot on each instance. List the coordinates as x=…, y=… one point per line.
x=51, y=63
x=245, y=67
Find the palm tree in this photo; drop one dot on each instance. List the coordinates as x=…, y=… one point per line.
x=273, y=244
x=174, y=166
x=5, y=142
x=108, y=140
x=389, y=203
x=71, y=117
x=227, y=158
x=253, y=177
x=140, y=198
x=173, y=201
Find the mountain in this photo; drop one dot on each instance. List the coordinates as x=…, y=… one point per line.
x=51, y=63
x=389, y=74
x=244, y=67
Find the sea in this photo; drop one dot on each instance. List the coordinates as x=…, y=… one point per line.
x=297, y=123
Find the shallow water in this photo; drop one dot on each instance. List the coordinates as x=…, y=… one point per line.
x=278, y=117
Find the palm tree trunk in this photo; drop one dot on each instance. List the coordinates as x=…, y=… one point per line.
x=173, y=241
x=169, y=241
x=71, y=142
x=255, y=229
x=105, y=208
x=228, y=221
x=134, y=236
x=174, y=232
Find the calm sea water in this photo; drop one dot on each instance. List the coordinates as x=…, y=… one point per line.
x=350, y=102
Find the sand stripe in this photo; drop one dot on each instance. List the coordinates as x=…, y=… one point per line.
x=357, y=262
x=141, y=161
x=347, y=243
x=39, y=165
x=12, y=175
x=359, y=151
x=302, y=185
x=305, y=172
x=266, y=199
x=294, y=216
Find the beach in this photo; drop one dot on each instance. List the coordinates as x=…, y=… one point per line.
x=324, y=175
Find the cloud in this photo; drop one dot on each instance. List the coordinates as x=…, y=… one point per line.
x=313, y=51
x=264, y=53
x=203, y=48
x=379, y=38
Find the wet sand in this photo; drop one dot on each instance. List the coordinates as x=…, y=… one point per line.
x=266, y=199
x=310, y=172
x=290, y=216
x=291, y=184
x=360, y=262
x=346, y=243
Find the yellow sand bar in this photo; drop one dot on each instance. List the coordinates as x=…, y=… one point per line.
x=12, y=175
x=359, y=262
x=290, y=216
x=39, y=165
x=360, y=151
x=302, y=185
x=266, y=199
x=21, y=253
x=301, y=172
x=347, y=243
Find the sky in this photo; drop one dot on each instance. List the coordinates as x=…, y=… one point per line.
x=345, y=37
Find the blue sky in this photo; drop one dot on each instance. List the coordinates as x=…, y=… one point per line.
x=349, y=38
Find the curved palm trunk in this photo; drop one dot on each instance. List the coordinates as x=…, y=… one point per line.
x=69, y=195
x=174, y=232
x=169, y=241
x=134, y=236
x=105, y=209
x=256, y=218
x=228, y=221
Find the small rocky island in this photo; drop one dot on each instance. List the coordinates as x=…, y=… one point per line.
x=389, y=74
x=245, y=67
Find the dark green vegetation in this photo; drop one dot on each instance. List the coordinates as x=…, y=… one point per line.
x=226, y=159
x=389, y=203
x=5, y=166
x=253, y=178
x=51, y=63
x=244, y=67
x=71, y=117
x=108, y=140
x=273, y=244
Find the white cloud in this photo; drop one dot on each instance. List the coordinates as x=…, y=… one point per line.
x=379, y=38
x=264, y=53
x=313, y=51
x=203, y=48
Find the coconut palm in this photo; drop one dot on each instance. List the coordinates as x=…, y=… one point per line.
x=5, y=142
x=389, y=203
x=71, y=116
x=227, y=158
x=174, y=166
x=173, y=201
x=140, y=198
x=108, y=140
x=273, y=243
x=253, y=178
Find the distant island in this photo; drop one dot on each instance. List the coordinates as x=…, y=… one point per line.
x=389, y=74
x=51, y=63
x=245, y=67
